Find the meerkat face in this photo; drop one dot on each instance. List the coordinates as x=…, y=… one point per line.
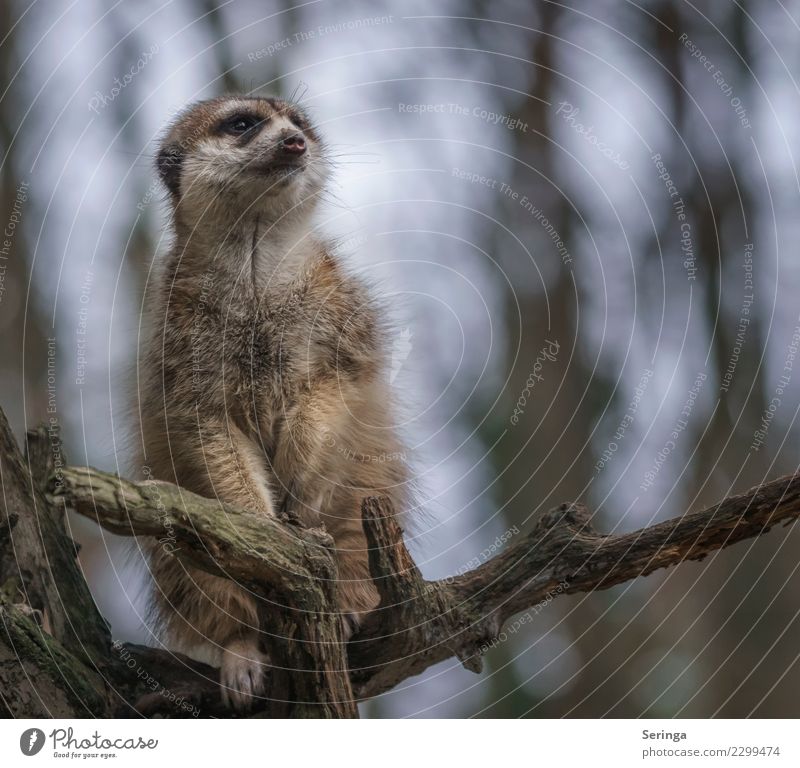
x=242, y=156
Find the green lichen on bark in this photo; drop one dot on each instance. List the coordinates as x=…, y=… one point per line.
x=40, y=655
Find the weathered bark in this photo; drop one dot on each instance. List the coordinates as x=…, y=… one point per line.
x=54, y=644
x=421, y=623
x=290, y=567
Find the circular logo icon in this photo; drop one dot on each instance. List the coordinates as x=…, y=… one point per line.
x=31, y=741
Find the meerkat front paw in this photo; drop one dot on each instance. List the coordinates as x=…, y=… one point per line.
x=242, y=674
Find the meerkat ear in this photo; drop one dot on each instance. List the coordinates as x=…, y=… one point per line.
x=169, y=167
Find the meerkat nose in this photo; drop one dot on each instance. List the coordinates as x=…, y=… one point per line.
x=295, y=145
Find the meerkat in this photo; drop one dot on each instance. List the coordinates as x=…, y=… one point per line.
x=264, y=376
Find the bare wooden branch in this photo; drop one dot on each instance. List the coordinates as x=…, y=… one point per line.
x=418, y=622
x=290, y=567
x=255, y=550
x=565, y=549
x=53, y=641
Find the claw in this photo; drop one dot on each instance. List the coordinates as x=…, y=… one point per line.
x=286, y=510
x=243, y=674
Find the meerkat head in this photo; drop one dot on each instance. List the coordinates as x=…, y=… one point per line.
x=241, y=156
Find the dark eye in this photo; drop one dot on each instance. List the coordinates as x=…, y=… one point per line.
x=239, y=124
x=299, y=120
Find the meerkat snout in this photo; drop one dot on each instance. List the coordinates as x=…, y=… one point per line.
x=294, y=144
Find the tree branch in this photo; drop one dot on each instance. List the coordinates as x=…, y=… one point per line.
x=291, y=568
x=56, y=650
x=419, y=622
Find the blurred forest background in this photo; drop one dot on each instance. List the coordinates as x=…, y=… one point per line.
x=586, y=212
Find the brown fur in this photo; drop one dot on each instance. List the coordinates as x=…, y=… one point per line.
x=265, y=381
